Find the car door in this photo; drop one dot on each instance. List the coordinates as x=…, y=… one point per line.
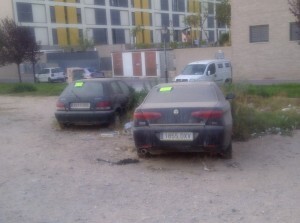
x=117, y=96
x=43, y=75
x=211, y=72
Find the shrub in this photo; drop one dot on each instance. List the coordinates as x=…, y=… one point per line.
x=23, y=87
x=224, y=39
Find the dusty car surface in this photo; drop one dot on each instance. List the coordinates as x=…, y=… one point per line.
x=92, y=101
x=184, y=117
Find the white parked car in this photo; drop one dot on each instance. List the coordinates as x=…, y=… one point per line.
x=218, y=70
x=51, y=74
x=92, y=73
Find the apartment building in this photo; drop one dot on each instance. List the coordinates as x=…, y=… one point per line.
x=107, y=22
x=265, y=40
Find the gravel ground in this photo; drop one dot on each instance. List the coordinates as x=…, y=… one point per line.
x=48, y=175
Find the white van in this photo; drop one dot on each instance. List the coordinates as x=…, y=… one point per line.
x=51, y=74
x=219, y=71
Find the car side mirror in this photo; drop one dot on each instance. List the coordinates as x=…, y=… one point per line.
x=230, y=96
x=208, y=72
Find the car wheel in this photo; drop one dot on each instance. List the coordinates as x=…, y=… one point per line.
x=49, y=80
x=227, y=154
x=62, y=125
x=143, y=153
x=116, y=121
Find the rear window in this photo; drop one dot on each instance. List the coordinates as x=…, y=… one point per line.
x=227, y=64
x=44, y=71
x=182, y=93
x=57, y=70
x=84, y=89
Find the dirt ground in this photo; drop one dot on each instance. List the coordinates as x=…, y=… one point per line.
x=48, y=175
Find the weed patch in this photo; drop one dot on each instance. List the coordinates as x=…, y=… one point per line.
x=23, y=87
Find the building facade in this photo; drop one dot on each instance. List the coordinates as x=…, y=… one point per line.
x=265, y=40
x=107, y=22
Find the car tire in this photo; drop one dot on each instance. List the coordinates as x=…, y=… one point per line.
x=49, y=80
x=143, y=153
x=227, y=154
x=62, y=125
x=115, y=122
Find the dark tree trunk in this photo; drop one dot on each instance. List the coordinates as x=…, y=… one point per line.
x=19, y=73
x=33, y=71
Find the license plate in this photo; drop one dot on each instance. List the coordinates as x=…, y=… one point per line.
x=176, y=136
x=80, y=105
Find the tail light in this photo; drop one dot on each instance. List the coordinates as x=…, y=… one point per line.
x=60, y=106
x=143, y=118
x=103, y=105
x=209, y=117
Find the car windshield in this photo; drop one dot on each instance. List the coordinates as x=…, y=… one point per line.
x=194, y=69
x=182, y=93
x=44, y=71
x=84, y=89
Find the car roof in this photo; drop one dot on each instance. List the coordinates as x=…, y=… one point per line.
x=208, y=61
x=52, y=67
x=105, y=79
x=199, y=83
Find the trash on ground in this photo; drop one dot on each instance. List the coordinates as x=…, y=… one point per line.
x=110, y=134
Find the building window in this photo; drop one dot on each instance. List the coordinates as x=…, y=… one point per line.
x=211, y=36
x=52, y=14
x=259, y=33
x=210, y=22
x=115, y=17
x=177, y=35
x=175, y=20
x=119, y=3
x=99, y=2
x=118, y=36
x=210, y=8
x=100, y=36
x=165, y=19
x=178, y=5
x=24, y=11
x=164, y=5
x=294, y=31
x=80, y=34
x=100, y=16
x=54, y=37
x=78, y=12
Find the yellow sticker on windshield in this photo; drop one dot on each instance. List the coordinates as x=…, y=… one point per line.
x=78, y=84
x=165, y=89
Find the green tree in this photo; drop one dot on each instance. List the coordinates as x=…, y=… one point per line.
x=196, y=22
x=85, y=44
x=223, y=13
x=135, y=32
x=295, y=9
x=17, y=44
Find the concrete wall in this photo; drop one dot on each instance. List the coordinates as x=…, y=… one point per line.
x=277, y=59
x=9, y=72
x=6, y=9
